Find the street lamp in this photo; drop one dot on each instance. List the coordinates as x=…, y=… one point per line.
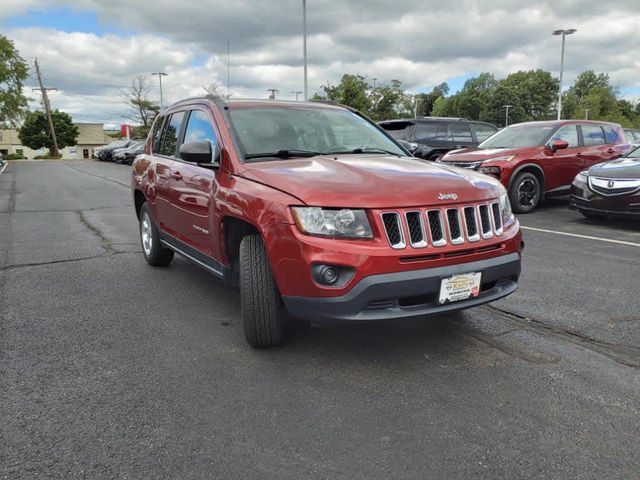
x=506, y=114
x=564, y=33
x=160, y=75
x=296, y=94
x=304, y=47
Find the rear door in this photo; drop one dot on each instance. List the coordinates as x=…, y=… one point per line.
x=482, y=131
x=563, y=165
x=193, y=187
x=165, y=155
x=596, y=148
x=460, y=135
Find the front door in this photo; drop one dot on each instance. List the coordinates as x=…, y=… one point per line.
x=193, y=188
x=564, y=164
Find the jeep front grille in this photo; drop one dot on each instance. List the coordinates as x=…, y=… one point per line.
x=438, y=227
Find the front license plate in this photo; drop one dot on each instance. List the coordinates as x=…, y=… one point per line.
x=460, y=287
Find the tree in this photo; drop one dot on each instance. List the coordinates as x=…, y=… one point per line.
x=471, y=101
x=142, y=111
x=351, y=91
x=216, y=89
x=389, y=102
x=35, y=134
x=426, y=101
x=13, y=72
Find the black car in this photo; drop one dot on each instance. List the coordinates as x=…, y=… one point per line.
x=435, y=136
x=633, y=135
x=610, y=188
x=127, y=155
x=106, y=153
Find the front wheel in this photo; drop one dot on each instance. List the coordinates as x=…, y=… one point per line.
x=525, y=192
x=262, y=310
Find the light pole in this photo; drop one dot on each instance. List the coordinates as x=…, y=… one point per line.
x=586, y=113
x=564, y=33
x=296, y=94
x=160, y=75
x=506, y=114
x=304, y=47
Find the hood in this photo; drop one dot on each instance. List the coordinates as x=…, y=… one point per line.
x=372, y=181
x=477, y=154
x=624, y=167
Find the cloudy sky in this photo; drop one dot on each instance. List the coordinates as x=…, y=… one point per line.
x=90, y=49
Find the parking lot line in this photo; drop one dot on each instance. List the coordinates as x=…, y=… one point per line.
x=3, y=167
x=587, y=237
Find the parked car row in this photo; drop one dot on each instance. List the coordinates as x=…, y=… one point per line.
x=121, y=151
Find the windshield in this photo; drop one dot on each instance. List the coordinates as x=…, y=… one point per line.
x=634, y=153
x=265, y=133
x=517, y=136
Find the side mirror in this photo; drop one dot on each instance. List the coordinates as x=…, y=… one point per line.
x=200, y=153
x=558, y=145
x=411, y=146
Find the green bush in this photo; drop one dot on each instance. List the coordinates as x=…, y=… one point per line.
x=15, y=156
x=46, y=156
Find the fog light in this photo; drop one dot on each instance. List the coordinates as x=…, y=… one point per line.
x=329, y=275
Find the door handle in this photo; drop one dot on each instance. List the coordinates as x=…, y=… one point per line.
x=611, y=150
x=176, y=175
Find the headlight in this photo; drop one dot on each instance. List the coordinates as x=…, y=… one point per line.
x=332, y=222
x=505, y=207
x=583, y=176
x=504, y=158
x=493, y=171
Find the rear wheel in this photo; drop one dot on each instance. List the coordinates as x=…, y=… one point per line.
x=525, y=192
x=154, y=253
x=262, y=310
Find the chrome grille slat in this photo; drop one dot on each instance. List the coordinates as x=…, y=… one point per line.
x=485, y=221
x=436, y=228
x=415, y=227
x=497, y=218
x=471, y=224
x=455, y=229
x=393, y=229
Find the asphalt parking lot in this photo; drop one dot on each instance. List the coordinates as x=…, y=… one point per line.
x=110, y=368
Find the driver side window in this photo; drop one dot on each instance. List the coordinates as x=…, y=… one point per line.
x=568, y=133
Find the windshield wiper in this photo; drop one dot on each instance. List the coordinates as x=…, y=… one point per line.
x=367, y=150
x=284, y=153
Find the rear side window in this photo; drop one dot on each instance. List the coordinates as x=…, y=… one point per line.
x=483, y=131
x=568, y=133
x=460, y=132
x=592, y=135
x=431, y=131
x=610, y=134
x=171, y=132
x=157, y=132
x=200, y=128
x=399, y=130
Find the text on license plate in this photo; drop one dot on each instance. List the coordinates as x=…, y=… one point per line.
x=460, y=287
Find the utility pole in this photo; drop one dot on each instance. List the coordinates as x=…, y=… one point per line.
x=228, y=69
x=296, y=94
x=586, y=113
x=273, y=91
x=47, y=109
x=160, y=75
x=564, y=33
x=506, y=114
x=304, y=47
x=374, y=83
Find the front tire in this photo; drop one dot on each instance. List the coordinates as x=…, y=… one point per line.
x=262, y=310
x=525, y=193
x=154, y=253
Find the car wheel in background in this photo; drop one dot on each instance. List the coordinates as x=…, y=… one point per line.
x=525, y=192
x=262, y=309
x=154, y=253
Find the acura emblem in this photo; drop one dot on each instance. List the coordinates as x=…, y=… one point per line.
x=447, y=196
x=611, y=184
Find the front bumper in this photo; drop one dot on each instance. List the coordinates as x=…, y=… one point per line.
x=583, y=199
x=409, y=293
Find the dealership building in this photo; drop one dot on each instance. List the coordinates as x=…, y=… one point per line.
x=90, y=137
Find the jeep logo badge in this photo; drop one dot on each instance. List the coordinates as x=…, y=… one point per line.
x=611, y=184
x=447, y=196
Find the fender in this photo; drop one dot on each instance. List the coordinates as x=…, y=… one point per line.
x=522, y=167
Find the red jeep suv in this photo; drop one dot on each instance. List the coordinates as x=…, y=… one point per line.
x=535, y=159
x=316, y=213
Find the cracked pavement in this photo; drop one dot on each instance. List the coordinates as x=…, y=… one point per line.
x=112, y=369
